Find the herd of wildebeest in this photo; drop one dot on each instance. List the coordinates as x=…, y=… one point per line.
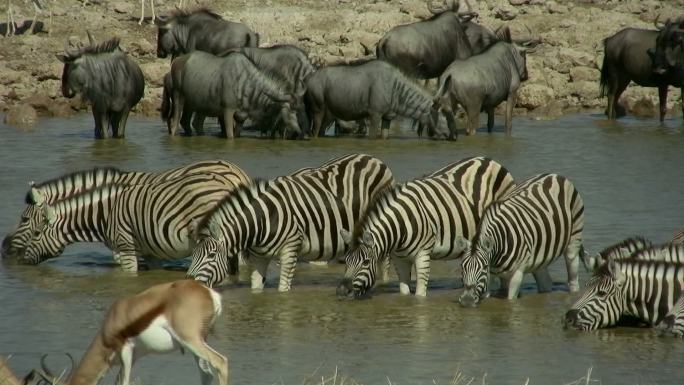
x=219, y=70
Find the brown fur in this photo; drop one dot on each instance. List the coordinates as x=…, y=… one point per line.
x=7, y=377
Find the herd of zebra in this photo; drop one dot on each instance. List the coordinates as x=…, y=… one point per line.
x=352, y=210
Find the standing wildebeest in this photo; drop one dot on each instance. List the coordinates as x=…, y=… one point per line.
x=668, y=55
x=229, y=87
x=425, y=48
x=106, y=77
x=627, y=59
x=373, y=89
x=202, y=30
x=483, y=81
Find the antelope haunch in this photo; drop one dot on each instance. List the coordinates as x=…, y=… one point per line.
x=161, y=319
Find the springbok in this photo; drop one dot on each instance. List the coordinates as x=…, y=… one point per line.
x=161, y=319
x=7, y=377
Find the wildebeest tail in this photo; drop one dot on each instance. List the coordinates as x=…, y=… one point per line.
x=166, y=98
x=443, y=87
x=605, y=71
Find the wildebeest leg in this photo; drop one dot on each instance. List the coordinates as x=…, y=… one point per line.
x=375, y=122
x=490, y=119
x=318, y=122
x=510, y=104
x=662, y=101
x=681, y=100
x=198, y=123
x=229, y=123
x=614, y=97
x=122, y=122
x=177, y=104
x=101, y=123
x=473, y=112
x=385, y=128
x=186, y=117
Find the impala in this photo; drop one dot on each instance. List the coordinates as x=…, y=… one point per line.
x=161, y=319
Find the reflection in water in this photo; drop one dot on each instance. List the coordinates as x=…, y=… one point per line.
x=628, y=175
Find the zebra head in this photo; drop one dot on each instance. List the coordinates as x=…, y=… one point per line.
x=602, y=302
x=45, y=241
x=14, y=244
x=361, y=265
x=673, y=323
x=213, y=260
x=475, y=269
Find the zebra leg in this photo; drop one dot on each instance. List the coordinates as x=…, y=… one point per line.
x=384, y=269
x=422, y=264
x=128, y=260
x=543, y=278
x=572, y=259
x=288, y=261
x=258, y=266
x=403, y=267
x=514, y=284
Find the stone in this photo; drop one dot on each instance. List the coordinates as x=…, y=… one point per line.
x=60, y=109
x=553, y=7
x=644, y=108
x=122, y=7
x=532, y=96
x=584, y=73
x=21, y=115
x=584, y=90
x=9, y=76
x=141, y=47
x=518, y=2
x=40, y=102
x=552, y=110
x=576, y=58
x=154, y=73
x=505, y=13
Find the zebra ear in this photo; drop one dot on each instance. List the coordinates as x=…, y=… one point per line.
x=462, y=243
x=346, y=236
x=367, y=239
x=50, y=214
x=36, y=195
x=192, y=230
x=214, y=228
x=615, y=272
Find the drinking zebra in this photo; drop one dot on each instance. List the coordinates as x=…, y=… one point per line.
x=418, y=221
x=644, y=289
x=295, y=217
x=524, y=232
x=620, y=250
x=673, y=323
x=150, y=220
x=64, y=186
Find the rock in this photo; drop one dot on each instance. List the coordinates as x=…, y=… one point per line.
x=367, y=41
x=415, y=9
x=532, y=96
x=584, y=90
x=60, y=109
x=141, y=47
x=644, y=108
x=554, y=7
x=9, y=76
x=553, y=110
x=537, y=2
x=505, y=13
x=21, y=115
x=40, y=102
x=122, y=7
x=575, y=57
x=584, y=73
x=518, y=2
x=154, y=73
x=351, y=51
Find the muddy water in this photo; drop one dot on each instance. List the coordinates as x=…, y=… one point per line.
x=629, y=175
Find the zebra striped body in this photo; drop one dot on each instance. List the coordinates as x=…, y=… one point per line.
x=678, y=237
x=67, y=185
x=643, y=289
x=524, y=232
x=418, y=221
x=620, y=250
x=150, y=220
x=291, y=219
x=673, y=323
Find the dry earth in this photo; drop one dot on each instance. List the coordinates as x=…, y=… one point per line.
x=563, y=71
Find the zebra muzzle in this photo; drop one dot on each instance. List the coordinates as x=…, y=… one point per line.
x=571, y=318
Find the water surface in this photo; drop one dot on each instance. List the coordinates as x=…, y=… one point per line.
x=629, y=175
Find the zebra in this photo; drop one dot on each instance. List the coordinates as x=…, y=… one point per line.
x=678, y=237
x=524, y=232
x=673, y=323
x=147, y=220
x=53, y=190
x=346, y=184
x=417, y=221
x=620, y=250
x=644, y=289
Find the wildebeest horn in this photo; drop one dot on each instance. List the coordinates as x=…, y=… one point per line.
x=43, y=366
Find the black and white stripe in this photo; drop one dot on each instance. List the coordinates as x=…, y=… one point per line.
x=524, y=232
x=673, y=323
x=150, y=220
x=620, y=250
x=67, y=185
x=643, y=289
x=312, y=205
x=418, y=221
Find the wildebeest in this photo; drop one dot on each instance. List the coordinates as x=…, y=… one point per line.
x=424, y=49
x=627, y=59
x=372, y=89
x=668, y=55
x=231, y=88
x=483, y=81
x=202, y=30
x=106, y=77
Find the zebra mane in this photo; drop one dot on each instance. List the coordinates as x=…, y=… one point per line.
x=249, y=190
x=612, y=250
x=388, y=189
x=110, y=45
x=76, y=175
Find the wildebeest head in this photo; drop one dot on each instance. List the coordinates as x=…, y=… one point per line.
x=669, y=50
x=287, y=112
x=74, y=77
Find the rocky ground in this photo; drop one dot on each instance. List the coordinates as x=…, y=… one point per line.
x=563, y=71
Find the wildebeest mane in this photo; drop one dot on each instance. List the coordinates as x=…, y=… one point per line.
x=183, y=15
x=110, y=45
